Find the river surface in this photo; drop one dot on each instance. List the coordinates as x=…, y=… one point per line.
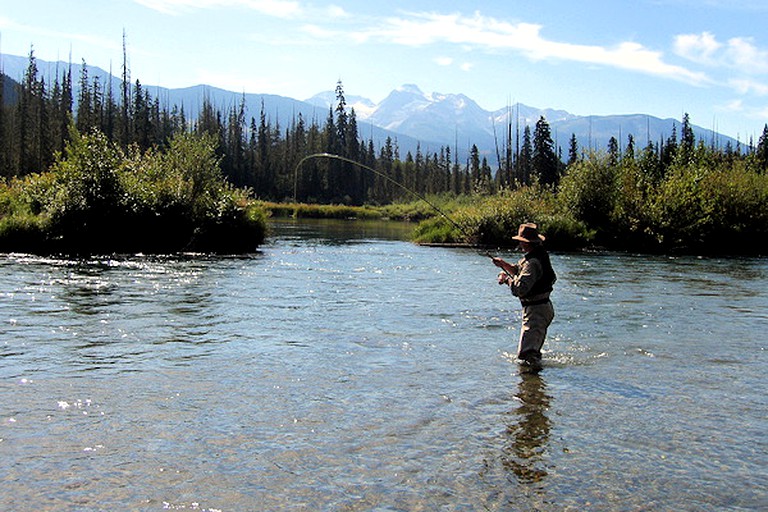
x=343, y=368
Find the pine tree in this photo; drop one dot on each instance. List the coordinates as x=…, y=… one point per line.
x=685, y=151
x=233, y=165
x=613, y=151
x=761, y=153
x=629, y=153
x=668, y=151
x=5, y=170
x=142, y=126
x=486, y=177
x=525, y=160
x=110, y=121
x=573, y=150
x=125, y=128
x=474, y=168
x=29, y=120
x=61, y=111
x=265, y=180
x=545, y=161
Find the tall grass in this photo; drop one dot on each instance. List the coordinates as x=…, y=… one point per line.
x=320, y=211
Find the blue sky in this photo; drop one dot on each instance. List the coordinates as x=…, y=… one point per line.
x=708, y=58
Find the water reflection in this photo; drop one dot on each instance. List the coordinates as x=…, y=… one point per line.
x=527, y=435
x=334, y=232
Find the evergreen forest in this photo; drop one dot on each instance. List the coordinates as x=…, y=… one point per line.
x=120, y=167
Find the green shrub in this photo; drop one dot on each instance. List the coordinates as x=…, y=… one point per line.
x=98, y=199
x=21, y=232
x=494, y=220
x=713, y=210
x=588, y=191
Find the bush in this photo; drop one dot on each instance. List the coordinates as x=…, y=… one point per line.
x=98, y=199
x=713, y=210
x=21, y=232
x=494, y=220
x=589, y=191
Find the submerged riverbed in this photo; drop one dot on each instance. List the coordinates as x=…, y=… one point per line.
x=344, y=368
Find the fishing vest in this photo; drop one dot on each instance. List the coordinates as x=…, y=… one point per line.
x=547, y=280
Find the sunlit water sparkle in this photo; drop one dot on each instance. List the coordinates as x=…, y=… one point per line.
x=342, y=368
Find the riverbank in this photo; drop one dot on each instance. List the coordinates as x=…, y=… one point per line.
x=100, y=199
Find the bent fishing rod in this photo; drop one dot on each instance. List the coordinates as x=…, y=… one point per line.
x=380, y=174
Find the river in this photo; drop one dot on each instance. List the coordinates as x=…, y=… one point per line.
x=341, y=367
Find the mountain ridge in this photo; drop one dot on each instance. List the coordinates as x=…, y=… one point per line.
x=455, y=118
x=413, y=119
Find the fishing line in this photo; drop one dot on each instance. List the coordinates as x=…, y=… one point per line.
x=468, y=236
x=447, y=217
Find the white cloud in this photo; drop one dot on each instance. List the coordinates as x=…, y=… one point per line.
x=443, y=61
x=334, y=11
x=738, y=53
x=467, y=66
x=699, y=48
x=744, y=55
x=747, y=86
x=738, y=106
x=489, y=34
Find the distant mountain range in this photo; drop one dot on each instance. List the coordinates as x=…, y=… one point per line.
x=407, y=115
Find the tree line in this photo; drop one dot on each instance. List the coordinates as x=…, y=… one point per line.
x=261, y=155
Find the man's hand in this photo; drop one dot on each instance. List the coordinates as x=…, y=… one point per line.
x=507, y=267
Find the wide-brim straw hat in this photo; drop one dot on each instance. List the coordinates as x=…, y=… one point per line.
x=529, y=232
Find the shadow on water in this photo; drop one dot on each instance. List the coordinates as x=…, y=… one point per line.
x=527, y=434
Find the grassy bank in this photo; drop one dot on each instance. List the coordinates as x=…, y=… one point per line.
x=98, y=198
x=401, y=211
x=320, y=211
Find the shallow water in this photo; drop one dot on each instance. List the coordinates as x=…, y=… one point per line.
x=342, y=368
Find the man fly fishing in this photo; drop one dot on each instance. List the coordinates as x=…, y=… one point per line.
x=531, y=280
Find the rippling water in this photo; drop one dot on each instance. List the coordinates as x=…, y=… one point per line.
x=341, y=368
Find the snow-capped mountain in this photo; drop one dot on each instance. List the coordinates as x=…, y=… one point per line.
x=457, y=121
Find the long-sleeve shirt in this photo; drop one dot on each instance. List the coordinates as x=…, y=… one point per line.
x=529, y=271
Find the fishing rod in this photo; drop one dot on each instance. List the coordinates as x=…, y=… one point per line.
x=340, y=158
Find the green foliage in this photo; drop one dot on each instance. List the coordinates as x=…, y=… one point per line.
x=589, y=191
x=700, y=197
x=145, y=183
x=717, y=210
x=564, y=232
x=493, y=221
x=437, y=230
x=21, y=229
x=87, y=200
x=319, y=211
x=418, y=210
x=20, y=232
x=97, y=199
